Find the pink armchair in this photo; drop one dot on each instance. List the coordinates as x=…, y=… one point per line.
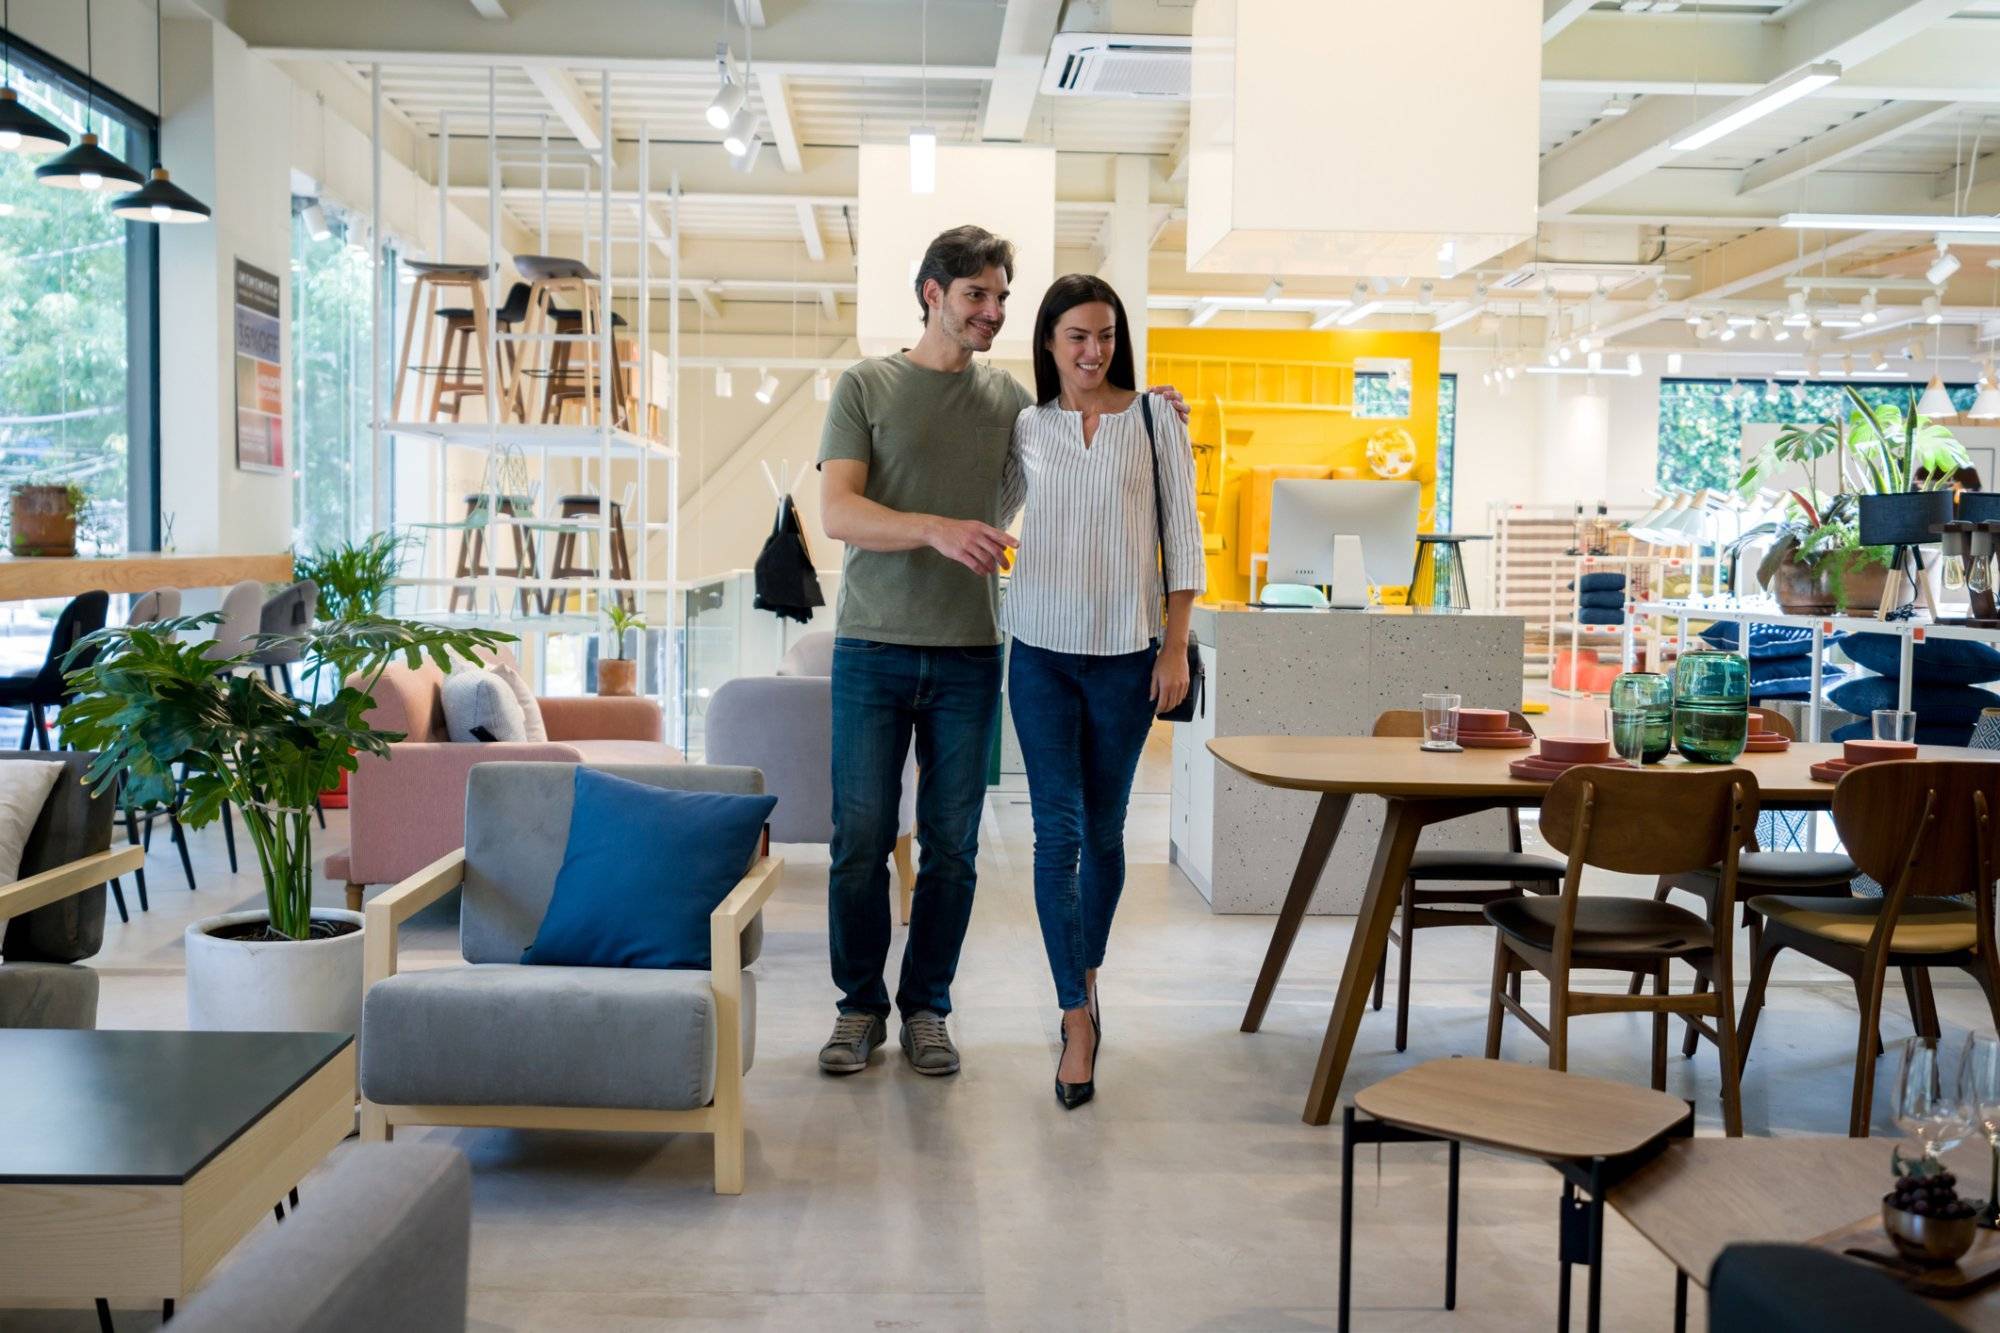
x=406, y=811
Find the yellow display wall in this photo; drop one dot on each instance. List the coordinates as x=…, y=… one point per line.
x=1282, y=398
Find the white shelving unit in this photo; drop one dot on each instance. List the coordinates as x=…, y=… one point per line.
x=598, y=440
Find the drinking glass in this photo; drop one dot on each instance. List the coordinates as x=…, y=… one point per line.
x=1979, y=1085
x=1630, y=733
x=1441, y=722
x=1651, y=694
x=1929, y=1109
x=1895, y=724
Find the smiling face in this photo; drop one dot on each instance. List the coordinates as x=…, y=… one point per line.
x=1082, y=343
x=971, y=311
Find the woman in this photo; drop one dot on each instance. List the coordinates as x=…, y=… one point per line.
x=1093, y=658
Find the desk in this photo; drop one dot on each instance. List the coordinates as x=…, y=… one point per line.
x=132, y=1162
x=1423, y=789
x=24, y=578
x=1700, y=1196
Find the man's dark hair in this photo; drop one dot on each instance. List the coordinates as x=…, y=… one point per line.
x=962, y=252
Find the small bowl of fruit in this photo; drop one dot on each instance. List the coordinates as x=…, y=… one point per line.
x=1930, y=1225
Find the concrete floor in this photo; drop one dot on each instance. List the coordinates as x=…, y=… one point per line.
x=1187, y=1196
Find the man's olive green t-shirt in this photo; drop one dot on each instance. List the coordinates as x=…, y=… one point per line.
x=935, y=442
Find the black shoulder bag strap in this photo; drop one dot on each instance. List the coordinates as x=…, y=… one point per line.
x=1185, y=710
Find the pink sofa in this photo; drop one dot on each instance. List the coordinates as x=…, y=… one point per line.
x=406, y=811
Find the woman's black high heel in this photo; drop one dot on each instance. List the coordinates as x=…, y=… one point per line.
x=1073, y=1095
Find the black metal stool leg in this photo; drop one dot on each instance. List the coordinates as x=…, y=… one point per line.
x=1451, y=1234
x=181, y=844
x=1595, y=1312
x=1680, y=1301
x=104, y=1314
x=28, y=739
x=229, y=836
x=1346, y=1213
x=1567, y=1206
x=167, y=1310
x=279, y=1209
x=118, y=897
x=294, y=1196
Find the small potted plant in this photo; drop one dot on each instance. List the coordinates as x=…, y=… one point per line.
x=354, y=578
x=42, y=517
x=617, y=673
x=150, y=703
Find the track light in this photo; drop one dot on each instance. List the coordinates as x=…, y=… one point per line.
x=923, y=160
x=1942, y=267
x=1360, y=291
x=767, y=388
x=1878, y=360
x=1632, y=363
x=1673, y=363
x=1424, y=297
x=1797, y=301
x=1659, y=296
x=1694, y=319
x=1380, y=284
x=1552, y=358
x=725, y=383
x=748, y=162
x=1986, y=406
x=1914, y=350
x=314, y=218
x=729, y=96
x=736, y=139
x=1563, y=351
x=1779, y=333
x=1812, y=367
x=822, y=385
x=1595, y=360
x=1614, y=105
x=1757, y=331
x=1847, y=367
x=1275, y=290
x=1932, y=314
x=1583, y=343
x=1727, y=333
x=1513, y=371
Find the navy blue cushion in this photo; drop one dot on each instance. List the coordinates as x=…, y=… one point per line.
x=1936, y=661
x=1789, y=678
x=1601, y=583
x=1765, y=640
x=1934, y=705
x=1940, y=735
x=644, y=868
x=1609, y=599
x=1601, y=615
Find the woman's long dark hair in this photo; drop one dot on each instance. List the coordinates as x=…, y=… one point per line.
x=1065, y=294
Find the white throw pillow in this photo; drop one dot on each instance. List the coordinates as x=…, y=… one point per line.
x=25, y=785
x=477, y=700
x=532, y=727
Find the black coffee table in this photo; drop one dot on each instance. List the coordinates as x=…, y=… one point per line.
x=132, y=1162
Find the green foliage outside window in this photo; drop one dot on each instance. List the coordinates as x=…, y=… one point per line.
x=333, y=446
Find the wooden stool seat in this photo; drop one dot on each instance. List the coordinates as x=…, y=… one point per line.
x=570, y=365
x=1523, y=1109
x=567, y=562
x=438, y=268
x=451, y=376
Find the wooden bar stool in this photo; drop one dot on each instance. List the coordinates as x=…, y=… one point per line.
x=567, y=383
x=1481, y=877
x=472, y=548
x=455, y=379
x=571, y=560
x=1593, y=1132
x=551, y=277
x=1633, y=821
x=434, y=281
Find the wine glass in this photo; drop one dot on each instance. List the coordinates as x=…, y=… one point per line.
x=1929, y=1111
x=1979, y=1086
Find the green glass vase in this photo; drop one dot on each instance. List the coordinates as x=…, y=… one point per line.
x=1650, y=695
x=1711, y=706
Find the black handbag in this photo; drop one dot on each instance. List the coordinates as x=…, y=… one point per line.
x=1184, y=711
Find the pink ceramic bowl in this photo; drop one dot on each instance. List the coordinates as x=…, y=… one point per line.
x=1482, y=719
x=1575, y=749
x=1874, y=752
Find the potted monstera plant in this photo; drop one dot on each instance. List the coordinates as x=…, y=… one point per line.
x=151, y=704
x=1894, y=469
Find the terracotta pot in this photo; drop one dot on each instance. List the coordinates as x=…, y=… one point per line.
x=617, y=675
x=43, y=522
x=1829, y=587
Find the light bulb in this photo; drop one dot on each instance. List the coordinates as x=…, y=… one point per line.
x=90, y=180
x=767, y=388
x=728, y=101
x=736, y=139
x=10, y=140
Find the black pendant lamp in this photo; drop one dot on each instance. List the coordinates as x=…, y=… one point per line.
x=21, y=130
x=159, y=199
x=87, y=166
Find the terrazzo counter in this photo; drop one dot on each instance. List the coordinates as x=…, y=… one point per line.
x=1318, y=673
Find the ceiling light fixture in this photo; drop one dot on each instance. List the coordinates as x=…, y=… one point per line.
x=923, y=139
x=1614, y=105
x=159, y=200
x=729, y=94
x=21, y=130
x=822, y=385
x=313, y=217
x=1878, y=359
x=739, y=131
x=1981, y=223
x=1275, y=290
x=1595, y=360
x=1799, y=83
x=767, y=388
x=1563, y=351
x=747, y=163
x=1914, y=350
x=1424, y=298
x=1868, y=307
x=1797, y=301
x=1673, y=363
x=1986, y=407
x=1941, y=269
x=1727, y=333
x=86, y=166
x=1779, y=333
x=1932, y=314
x=1632, y=364
x=725, y=383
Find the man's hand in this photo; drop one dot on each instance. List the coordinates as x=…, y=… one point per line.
x=975, y=545
x=1174, y=399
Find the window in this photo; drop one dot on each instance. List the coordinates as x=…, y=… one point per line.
x=1447, y=449
x=77, y=328
x=333, y=476
x=1702, y=421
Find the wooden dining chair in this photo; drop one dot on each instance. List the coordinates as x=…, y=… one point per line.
x=1632, y=821
x=1925, y=829
x=1478, y=877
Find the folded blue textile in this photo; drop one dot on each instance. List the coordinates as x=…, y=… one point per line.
x=1765, y=640
x=1790, y=678
x=1599, y=615
x=1601, y=583
x=1935, y=661
x=1934, y=705
x=1607, y=600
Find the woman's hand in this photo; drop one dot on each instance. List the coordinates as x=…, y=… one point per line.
x=1170, y=679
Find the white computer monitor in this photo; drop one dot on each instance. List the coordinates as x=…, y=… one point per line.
x=1307, y=515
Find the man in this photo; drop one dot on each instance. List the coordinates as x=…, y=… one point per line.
x=911, y=464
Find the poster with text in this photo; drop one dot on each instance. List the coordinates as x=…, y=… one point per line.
x=260, y=382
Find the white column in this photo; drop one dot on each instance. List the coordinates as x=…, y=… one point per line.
x=1128, y=238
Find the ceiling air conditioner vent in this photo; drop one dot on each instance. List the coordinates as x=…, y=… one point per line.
x=1096, y=64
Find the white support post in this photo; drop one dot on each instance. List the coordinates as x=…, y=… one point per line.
x=492, y=416
x=377, y=362
x=443, y=181
x=607, y=360
x=670, y=642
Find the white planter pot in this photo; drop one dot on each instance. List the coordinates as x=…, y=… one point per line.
x=273, y=985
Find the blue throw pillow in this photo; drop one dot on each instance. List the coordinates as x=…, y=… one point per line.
x=1789, y=678
x=1934, y=705
x=1610, y=599
x=1765, y=640
x=1936, y=661
x=1600, y=615
x=1601, y=583
x=644, y=868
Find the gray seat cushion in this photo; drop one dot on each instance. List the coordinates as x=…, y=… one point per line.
x=381, y=1242
x=1483, y=866
x=496, y=1034
x=47, y=995
x=1795, y=867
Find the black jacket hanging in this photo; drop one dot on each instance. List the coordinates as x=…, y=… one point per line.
x=787, y=584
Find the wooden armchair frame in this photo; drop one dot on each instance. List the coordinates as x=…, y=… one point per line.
x=722, y=1117
x=59, y=882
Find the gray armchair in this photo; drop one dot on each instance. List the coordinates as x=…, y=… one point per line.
x=494, y=1042
x=380, y=1242
x=53, y=915
x=782, y=726
x=290, y=611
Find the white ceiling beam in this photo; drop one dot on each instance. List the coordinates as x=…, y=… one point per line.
x=490, y=10
x=1710, y=196
x=1177, y=160
x=1854, y=31
x=1559, y=14
x=778, y=110
x=1752, y=253
x=704, y=295
x=829, y=304
x=565, y=97
x=1025, y=34
x=1867, y=131
x=809, y=228
x=1618, y=150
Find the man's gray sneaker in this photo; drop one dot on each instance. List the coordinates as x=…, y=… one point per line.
x=928, y=1044
x=854, y=1039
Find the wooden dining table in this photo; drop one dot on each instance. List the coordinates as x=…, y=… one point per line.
x=1422, y=788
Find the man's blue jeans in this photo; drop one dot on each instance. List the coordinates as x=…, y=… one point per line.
x=1082, y=721
x=948, y=701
